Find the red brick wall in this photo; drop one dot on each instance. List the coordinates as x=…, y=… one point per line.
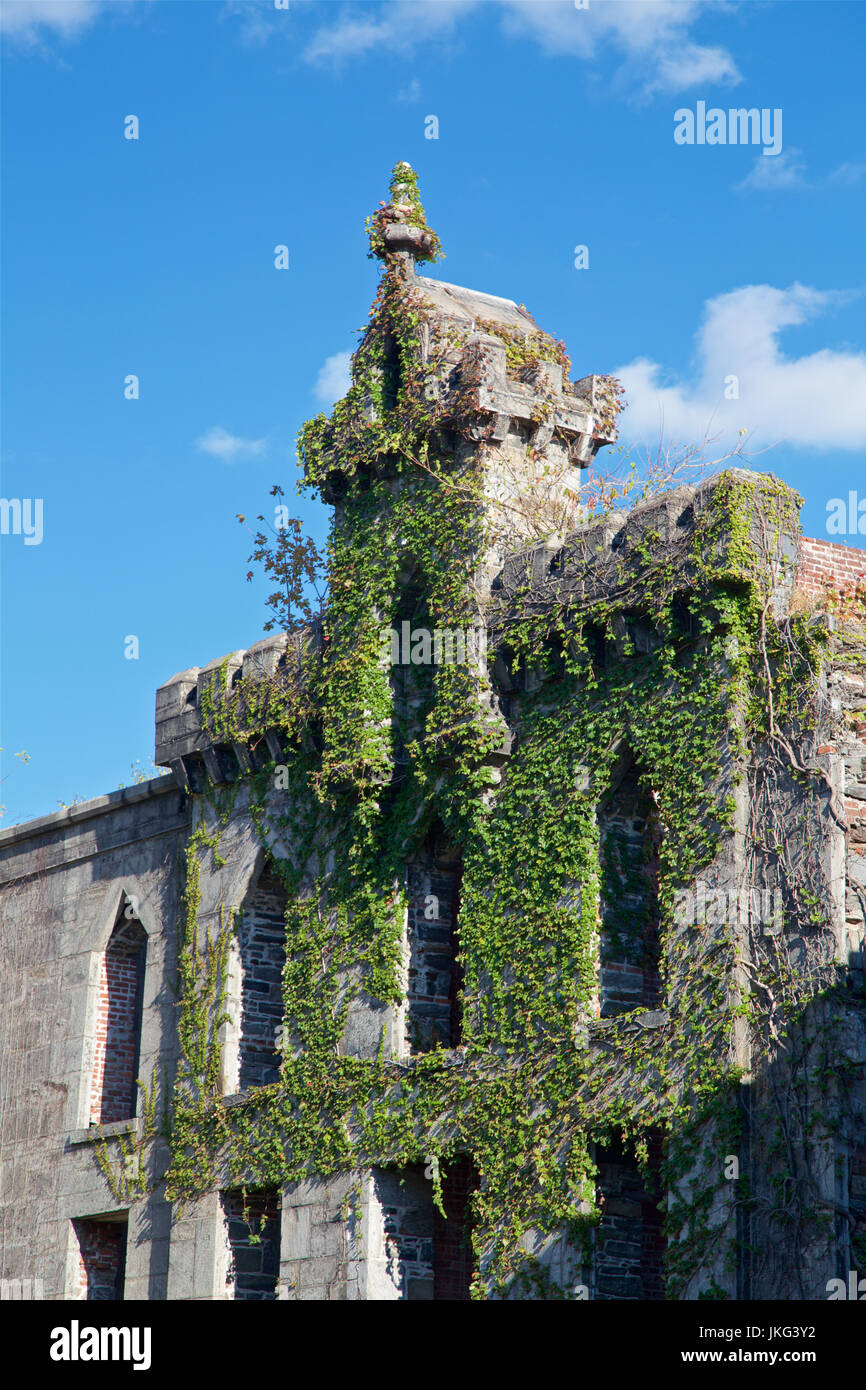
x=115, y=1064
x=102, y=1258
x=824, y=562
x=453, y=1259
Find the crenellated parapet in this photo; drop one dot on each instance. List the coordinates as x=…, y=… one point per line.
x=192, y=734
x=713, y=529
x=688, y=535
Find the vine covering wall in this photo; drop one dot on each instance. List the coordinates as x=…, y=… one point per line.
x=513, y=757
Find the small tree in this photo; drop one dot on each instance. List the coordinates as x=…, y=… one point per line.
x=292, y=561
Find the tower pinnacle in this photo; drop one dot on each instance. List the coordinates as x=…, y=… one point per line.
x=398, y=230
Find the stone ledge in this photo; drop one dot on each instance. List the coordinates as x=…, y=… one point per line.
x=84, y=810
x=92, y=1133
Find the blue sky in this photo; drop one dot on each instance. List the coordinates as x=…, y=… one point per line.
x=262, y=126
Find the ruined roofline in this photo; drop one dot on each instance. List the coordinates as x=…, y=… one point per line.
x=608, y=565
x=507, y=314
x=474, y=294
x=480, y=389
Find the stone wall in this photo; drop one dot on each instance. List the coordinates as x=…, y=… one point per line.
x=857, y=1205
x=333, y=1241
x=65, y=881
x=406, y=1199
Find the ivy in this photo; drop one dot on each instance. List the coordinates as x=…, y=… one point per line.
x=366, y=774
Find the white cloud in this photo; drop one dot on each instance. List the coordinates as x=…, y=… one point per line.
x=258, y=20
x=651, y=37
x=334, y=378
x=783, y=171
x=787, y=171
x=27, y=19
x=400, y=25
x=847, y=173
x=691, y=65
x=814, y=401
x=228, y=447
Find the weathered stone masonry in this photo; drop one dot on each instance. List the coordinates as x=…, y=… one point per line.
x=67, y=879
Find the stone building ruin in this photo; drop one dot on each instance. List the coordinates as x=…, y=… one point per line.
x=528, y=1081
